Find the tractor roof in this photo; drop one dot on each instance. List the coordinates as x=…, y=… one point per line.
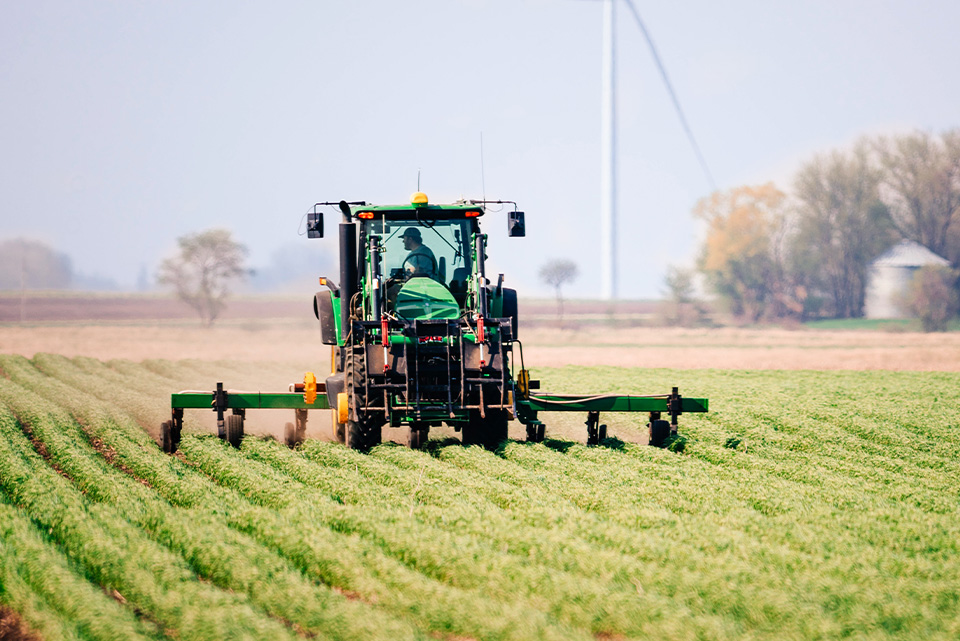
x=420, y=208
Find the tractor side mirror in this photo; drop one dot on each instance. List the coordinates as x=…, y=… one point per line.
x=315, y=224
x=516, y=226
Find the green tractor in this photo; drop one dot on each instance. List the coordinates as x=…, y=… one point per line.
x=420, y=336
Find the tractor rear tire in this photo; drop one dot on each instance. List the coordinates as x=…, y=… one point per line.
x=364, y=432
x=166, y=438
x=488, y=432
x=659, y=432
x=361, y=435
x=235, y=430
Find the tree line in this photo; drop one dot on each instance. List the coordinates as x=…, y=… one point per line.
x=769, y=255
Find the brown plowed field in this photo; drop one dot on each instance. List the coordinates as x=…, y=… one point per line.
x=109, y=307
x=283, y=328
x=298, y=342
x=68, y=307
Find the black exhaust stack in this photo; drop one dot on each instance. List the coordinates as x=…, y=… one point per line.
x=348, y=266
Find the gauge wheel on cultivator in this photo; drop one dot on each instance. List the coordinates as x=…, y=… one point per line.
x=536, y=432
x=234, y=430
x=659, y=432
x=167, y=441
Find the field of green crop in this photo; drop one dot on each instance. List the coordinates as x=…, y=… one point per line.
x=805, y=505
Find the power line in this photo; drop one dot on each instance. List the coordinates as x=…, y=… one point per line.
x=673, y=95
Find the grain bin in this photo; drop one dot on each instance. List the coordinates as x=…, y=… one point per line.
x=890, y=277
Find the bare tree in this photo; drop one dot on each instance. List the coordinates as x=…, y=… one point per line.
x=841, y=226
x=921, y=185
x=203, y=270
x=680, y=307
x=557, y=272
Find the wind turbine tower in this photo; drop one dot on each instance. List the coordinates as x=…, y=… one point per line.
x=608, y=140
x=608, y=156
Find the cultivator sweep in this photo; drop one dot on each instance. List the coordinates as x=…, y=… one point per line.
x=420, y=337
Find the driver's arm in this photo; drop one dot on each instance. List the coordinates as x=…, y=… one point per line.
x=414, y=263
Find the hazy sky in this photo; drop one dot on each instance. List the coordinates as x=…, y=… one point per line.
x=126, y=124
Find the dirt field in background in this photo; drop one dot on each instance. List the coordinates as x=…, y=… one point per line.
x=107, y=307
x=297, y=343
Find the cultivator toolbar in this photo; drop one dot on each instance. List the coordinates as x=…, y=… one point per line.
x=231, y=407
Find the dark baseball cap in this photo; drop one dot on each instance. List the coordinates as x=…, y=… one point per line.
x=413, y=233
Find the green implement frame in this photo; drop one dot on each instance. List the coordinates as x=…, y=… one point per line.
x=526, y=409
x=247, y=401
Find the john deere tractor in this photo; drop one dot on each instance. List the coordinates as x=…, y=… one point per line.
x=420, y=336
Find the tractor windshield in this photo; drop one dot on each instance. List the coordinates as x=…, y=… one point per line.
x=439, y=250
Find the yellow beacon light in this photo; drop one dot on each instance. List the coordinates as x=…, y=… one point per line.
x=418, y=198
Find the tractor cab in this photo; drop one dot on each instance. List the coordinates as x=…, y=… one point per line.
x=425, y=265
x=423, y=255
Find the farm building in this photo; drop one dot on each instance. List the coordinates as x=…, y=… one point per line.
x=890, y=276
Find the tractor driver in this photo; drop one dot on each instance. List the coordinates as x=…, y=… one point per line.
x=420, y=261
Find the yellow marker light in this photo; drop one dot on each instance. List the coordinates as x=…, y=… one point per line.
x=323, y=281
x=418, y=198
x=523, y=383
x=343, y=408
x=309, y=388
x=365, y=215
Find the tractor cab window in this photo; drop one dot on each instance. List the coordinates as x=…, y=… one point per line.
x=433, y=249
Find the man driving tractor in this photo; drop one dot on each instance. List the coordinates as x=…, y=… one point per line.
x=420, y=261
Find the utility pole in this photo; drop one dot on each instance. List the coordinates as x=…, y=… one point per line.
x=608, y=156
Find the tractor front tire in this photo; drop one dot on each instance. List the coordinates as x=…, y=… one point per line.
x=235, y=430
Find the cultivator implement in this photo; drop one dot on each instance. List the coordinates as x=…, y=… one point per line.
x=231, y=408
x=420, y=337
